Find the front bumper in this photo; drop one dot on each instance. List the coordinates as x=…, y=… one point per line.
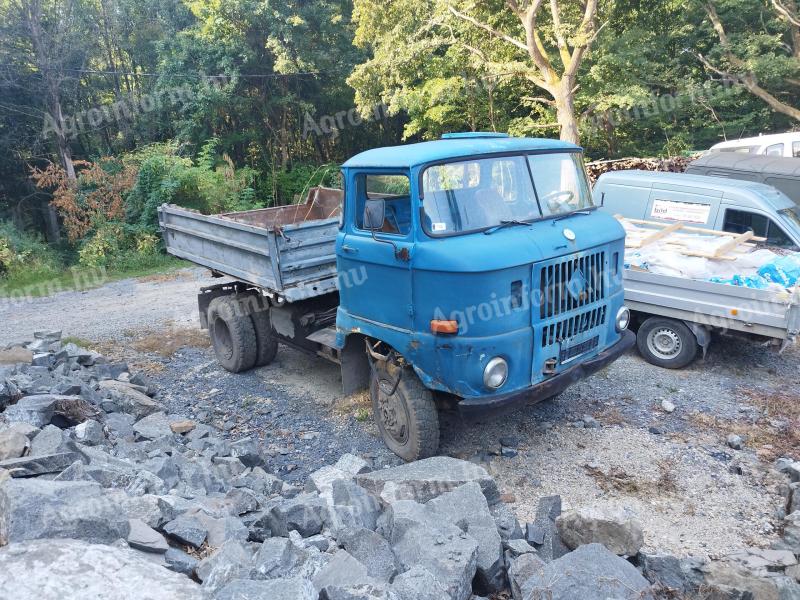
x=473, y=407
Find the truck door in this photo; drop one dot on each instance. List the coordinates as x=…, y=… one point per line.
x=375, y=266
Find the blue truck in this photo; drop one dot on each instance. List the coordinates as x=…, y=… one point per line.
x=472, y=270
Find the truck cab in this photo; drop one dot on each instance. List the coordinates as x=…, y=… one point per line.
x=475, y=268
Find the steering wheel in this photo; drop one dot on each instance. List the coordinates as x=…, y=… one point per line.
x=558, y=198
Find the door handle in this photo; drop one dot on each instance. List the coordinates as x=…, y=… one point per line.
x=349, y=249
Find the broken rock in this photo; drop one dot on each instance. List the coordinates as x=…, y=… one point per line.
x=152, y=427
x=277, y=589
x=145, y=538
x=591, y=572
x=37, y=509
x=187, y=530
x=427, y=479
x=13, y=444
x=32, y=466
x=71, y=569
x=613, y=528
x=41, y=410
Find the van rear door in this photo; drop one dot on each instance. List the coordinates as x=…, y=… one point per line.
x=672, y=203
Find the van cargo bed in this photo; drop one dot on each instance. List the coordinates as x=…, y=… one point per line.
x=760, y=312
x=288, y=251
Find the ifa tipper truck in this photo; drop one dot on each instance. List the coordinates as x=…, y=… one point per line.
x=473, y=270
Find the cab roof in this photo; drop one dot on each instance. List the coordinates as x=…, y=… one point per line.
x=452, y=146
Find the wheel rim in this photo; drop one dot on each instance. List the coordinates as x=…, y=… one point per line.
x=664, y=343
x=223, y=341
x=392, y=413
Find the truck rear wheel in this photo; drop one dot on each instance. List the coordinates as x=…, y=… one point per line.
x=265, y=340
x=666, y=343
x=404, y=411
x=233, y=334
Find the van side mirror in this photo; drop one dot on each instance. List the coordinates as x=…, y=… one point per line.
x=374, y=214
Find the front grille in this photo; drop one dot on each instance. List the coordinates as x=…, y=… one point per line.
x=572, y=284
x=573, y=326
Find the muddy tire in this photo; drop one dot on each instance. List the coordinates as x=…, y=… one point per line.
x=267, y=345
x=233, y=335
x=666, y=343
x=405, y=413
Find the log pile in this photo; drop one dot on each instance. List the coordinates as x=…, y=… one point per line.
x=676, y=164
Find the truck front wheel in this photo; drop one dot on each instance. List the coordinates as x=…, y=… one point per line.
x=666, y=343
x=404, y=411
x=232, y=334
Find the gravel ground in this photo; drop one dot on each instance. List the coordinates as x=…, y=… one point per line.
x=673, y=470
x=106, y=312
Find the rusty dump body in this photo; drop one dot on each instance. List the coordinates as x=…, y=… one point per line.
x=288, y=251
x=321, y=204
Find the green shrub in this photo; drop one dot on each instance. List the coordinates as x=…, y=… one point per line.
x=290, y=186
x=211, y=184
x=25, y=254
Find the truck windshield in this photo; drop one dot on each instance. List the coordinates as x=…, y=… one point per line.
x=479, y=194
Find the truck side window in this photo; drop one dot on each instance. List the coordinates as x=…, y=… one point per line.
x=395, y=191
x=741, y=221
x=774, y=150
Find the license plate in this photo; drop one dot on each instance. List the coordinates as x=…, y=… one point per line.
x=570, y=353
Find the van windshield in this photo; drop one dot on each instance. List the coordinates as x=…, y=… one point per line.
x=479, y=194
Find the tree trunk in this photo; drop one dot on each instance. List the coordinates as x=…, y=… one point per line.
x=565, y=112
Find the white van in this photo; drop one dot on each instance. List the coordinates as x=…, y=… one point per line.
x=785, y=145
x=702, y=201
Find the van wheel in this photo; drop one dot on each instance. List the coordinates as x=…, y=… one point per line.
x=265, y=340
x=666, y=343
x=233, y=335
x=404, y=411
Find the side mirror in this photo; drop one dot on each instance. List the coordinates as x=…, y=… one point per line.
x=374, y=214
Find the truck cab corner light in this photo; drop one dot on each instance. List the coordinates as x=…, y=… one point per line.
x=444, y=327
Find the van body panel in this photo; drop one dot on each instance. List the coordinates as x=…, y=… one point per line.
x=698, y=200
x=778, y=144
x=780, y=173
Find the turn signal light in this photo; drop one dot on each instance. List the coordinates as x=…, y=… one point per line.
x=445, y=327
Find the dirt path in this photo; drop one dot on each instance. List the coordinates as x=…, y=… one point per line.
x=105, y=313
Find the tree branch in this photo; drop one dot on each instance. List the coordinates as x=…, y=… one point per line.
x=749, y=82
x=488, y=28
x=789, y=14
x=561, y=41
x=535, y=48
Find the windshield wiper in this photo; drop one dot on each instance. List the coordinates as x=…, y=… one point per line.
x=504, y=224
x=572, y=214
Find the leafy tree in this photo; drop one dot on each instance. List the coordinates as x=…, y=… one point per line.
x=543, y=44
x=764, y=60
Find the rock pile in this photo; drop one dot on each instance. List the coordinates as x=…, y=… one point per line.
x=104, y=494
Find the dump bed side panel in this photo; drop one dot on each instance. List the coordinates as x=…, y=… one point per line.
x=241, y=251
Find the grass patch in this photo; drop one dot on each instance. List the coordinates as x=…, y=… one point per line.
x=776, y=430
x=78, y=341
x=166, y=342
x=359, y=405
x=617, y=479
x=39, y=283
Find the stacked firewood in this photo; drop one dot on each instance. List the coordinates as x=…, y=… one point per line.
x=676, y=164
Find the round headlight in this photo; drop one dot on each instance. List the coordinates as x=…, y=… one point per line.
x=623, y=319
x=495, y=373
